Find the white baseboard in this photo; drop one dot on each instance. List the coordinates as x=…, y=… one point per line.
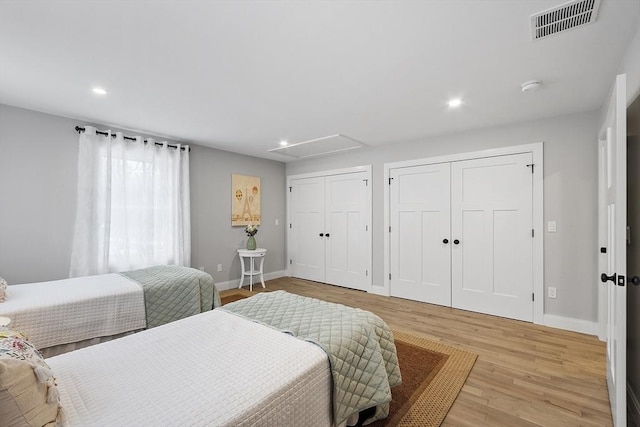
x=570, y=324
x=633, y=405
x=379, y=290
x=231, y=284
x=560, y=322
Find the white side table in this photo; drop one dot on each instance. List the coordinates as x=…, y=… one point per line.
x=252, y=255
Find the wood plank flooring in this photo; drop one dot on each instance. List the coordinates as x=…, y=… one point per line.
x=525, y=375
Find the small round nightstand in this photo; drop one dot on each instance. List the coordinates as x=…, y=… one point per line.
x=252, y=255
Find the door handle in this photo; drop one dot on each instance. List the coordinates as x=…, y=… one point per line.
x=455, y=242
x=445, y=241
x=604, y=278
x=635, y=280
x=321, y=234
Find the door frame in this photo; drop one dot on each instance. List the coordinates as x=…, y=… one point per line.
x=364, y=168
x=614, y=119
x=536, y=149
x=602, y=239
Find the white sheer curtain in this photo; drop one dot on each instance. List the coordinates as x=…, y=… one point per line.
x=133, y=205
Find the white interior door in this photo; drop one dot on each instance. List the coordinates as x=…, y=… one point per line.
x=491, y=223
x=347, y=241
x=306, y=226
x=614, y=133
x=420, y=238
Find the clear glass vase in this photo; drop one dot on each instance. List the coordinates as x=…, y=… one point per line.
x=251, y=243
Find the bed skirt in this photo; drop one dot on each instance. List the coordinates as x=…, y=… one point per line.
x=65, y=348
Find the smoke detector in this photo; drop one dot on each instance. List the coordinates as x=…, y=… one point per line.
x=531, y=85
x=564, y=17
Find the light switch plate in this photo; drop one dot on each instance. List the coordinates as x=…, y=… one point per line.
x=551, y=226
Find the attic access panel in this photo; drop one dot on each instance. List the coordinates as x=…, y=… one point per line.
x=319, y=146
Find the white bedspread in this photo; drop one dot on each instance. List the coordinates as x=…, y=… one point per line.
x=70, y=310
x=213, y=369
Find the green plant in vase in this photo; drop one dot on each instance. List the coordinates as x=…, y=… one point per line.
x=251, y=231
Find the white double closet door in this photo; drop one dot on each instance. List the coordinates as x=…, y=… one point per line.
x=329, y=236
x=461, y=235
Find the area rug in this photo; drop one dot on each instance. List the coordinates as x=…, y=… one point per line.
x=432, y=376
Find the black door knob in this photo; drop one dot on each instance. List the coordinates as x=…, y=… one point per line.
x=327, y=234
x=445, y=241
x=455, y=242
x=635, y=280
x=604, y=277
x=321, y=234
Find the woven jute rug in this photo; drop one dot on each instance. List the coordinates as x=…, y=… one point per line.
x=432, y=376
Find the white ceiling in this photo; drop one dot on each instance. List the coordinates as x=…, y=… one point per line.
x=241, y=75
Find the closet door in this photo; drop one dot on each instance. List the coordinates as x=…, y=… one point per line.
x=306, y=226
x=347, y=243
x=420, y=233
x=491, y=205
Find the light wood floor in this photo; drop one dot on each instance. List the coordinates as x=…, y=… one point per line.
x=525, y=374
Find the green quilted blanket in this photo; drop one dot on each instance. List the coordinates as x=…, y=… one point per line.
x=172, y=293
x=359, y=344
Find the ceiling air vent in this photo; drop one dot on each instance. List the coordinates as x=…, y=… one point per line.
x=564, y=17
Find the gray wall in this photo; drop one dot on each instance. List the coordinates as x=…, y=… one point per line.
x=630, y=65
x=38, y=174
x=213, y=240
x=570, y=196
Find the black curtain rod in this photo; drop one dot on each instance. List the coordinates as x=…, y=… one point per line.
x=80, y=129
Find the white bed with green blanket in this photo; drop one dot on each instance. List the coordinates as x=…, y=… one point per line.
x=274, y=359
x=63, y=315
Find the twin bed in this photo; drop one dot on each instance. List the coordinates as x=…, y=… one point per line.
x=272, y=359
x=63, y=315
x=213, y=369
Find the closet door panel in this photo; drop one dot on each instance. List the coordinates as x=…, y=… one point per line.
x=491, y=203
x=505, y=249
x=431, y=224
x=307, y=222
x=420, y=225
x=408, y=260
x=348, y=243
x=475, y=251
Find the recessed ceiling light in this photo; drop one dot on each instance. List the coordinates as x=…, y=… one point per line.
x=454, y=102
x=283, y=143
x=99, y=91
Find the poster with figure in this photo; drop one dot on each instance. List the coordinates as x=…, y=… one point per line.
x=245, y=200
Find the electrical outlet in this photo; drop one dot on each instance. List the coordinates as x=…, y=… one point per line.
x=219, y=267
x=201, y=268
x=277, y=221
x=552, y=292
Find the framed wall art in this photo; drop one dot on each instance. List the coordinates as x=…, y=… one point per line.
x=245, y=200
